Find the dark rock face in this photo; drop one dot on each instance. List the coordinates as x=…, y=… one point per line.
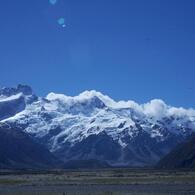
x=96, y=102
x=25, y=89
x=19, y=150
x=8, y=91
x=182, y=156
x=12, y=107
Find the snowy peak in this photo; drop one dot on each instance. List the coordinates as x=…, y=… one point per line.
x=91, y=97
x=95, y=98
x=74, y=105
x=156, y=109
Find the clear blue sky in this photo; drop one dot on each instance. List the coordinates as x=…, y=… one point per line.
x=128, y=49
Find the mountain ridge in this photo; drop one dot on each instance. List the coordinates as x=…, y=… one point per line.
x=182, y=156
x=73, y=127
x=19, y=151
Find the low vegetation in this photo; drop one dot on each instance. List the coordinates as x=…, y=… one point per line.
x=104, y=181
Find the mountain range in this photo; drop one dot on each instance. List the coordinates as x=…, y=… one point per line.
x=90, y=127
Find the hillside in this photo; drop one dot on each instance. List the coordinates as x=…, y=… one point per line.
x=183, y=156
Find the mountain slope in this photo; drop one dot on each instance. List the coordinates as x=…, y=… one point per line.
x=18, y=150
x=183, y=156
x=92, y=126
x=14, y=100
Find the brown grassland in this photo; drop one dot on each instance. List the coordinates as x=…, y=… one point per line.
x=99, y=181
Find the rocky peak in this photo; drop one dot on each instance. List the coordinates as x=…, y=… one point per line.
x=9, y=91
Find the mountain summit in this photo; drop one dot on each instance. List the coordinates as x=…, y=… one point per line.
x=8, y=91
x=92, y=126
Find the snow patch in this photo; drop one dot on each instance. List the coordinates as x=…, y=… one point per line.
x=13, y=97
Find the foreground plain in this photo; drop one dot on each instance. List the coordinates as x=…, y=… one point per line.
x=100, y=181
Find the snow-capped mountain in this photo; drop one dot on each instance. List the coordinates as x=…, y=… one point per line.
x=93, y=126
x=14, y=100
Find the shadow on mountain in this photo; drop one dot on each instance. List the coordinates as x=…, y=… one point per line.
x=19, y=151
x=183, y=156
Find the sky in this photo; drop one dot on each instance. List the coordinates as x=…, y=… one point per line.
x=128, y=49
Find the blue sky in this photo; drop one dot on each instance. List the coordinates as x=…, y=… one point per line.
x=127, y=49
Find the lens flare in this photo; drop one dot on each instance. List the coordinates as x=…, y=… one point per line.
x=61, y=22
x=52, y=2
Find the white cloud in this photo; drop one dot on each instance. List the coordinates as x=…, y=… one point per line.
x=181, y=112
x=155, y=108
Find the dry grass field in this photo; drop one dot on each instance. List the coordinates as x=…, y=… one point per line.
x=103, y=181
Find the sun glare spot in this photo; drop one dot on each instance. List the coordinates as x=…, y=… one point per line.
x=61, y=22
x=52, y=2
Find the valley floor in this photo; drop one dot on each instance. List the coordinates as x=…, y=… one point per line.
x=104, y=181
